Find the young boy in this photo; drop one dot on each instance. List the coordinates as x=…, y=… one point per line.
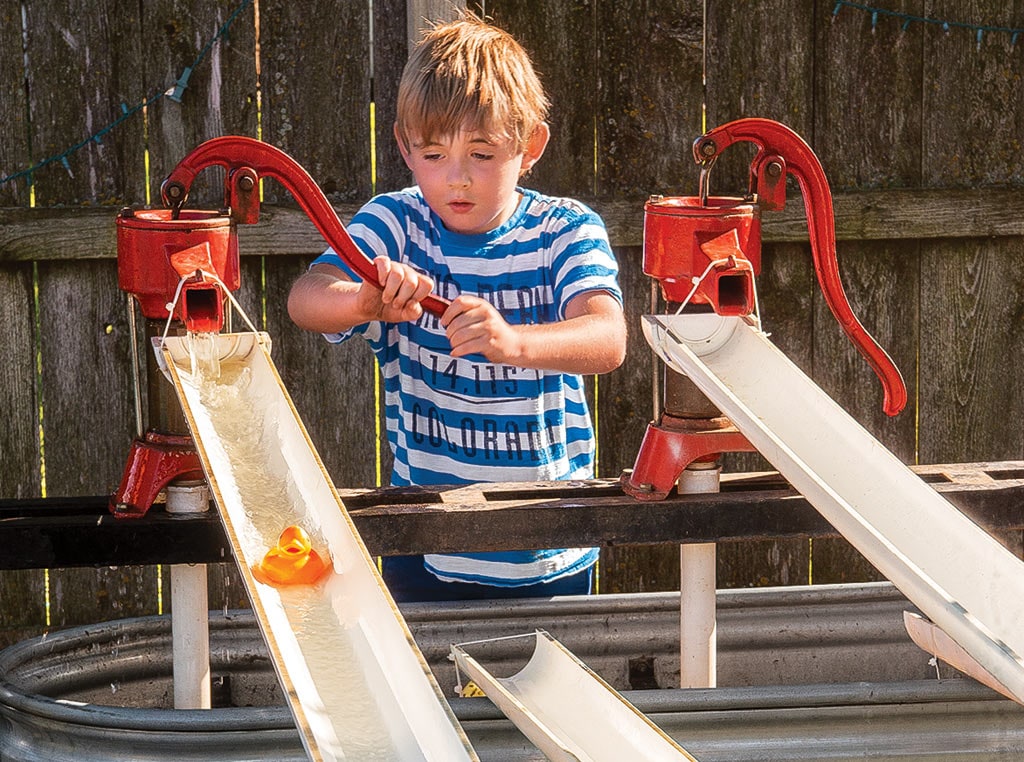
x=491, y=390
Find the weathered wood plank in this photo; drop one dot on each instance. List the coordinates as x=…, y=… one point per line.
x=507, y=516
x=332, y=386
x=971, y=136
x=19, y=436
x=71, y=71
x=972, y=127
x=868, y=111
x=390, y=51
x=625, y=396
x=23, y=614
x=14, y=148
x=22, y=593
x=882, y=284
x=760, y=62
x=863, y=142
x=647, y=113
x=79, y=532
x=971, y=342
x=84, y=345
x=337, y=152
x=71, y=233
x=649, y=103
x=221, y=93
x=561, y=43
x=315, y=78
x=883, y=292
x=422, y=13
x=88, y=422
x=77, y=79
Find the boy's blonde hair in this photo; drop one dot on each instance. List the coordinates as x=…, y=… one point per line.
x=469, y=74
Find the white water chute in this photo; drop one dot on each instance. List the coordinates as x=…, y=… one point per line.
x=353, y=676
x=956, y=573
x=568, y=712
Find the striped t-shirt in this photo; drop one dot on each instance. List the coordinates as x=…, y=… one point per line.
x=453, y=420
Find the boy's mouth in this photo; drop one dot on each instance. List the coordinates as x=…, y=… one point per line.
x=460, y=207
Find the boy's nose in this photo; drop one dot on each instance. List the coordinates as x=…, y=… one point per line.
x=458, y=177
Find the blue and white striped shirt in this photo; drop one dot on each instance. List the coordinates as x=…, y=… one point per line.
x=453, y=420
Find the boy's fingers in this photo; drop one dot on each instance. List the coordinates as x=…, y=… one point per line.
x=383, y=265
x=460, y=305
x=453, y=311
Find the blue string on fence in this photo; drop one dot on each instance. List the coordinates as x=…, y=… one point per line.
x=174, y=93
x=980, y=30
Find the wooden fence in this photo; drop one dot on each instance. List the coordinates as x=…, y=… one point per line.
x=920, y=130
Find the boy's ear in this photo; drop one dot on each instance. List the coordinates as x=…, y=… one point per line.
x=401, y=144
x=535, y=147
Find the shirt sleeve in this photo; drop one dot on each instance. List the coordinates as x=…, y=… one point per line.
x=377, y=230
x=583, y=259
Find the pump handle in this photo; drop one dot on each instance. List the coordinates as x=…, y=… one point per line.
x=235, y=152
x=780, y=148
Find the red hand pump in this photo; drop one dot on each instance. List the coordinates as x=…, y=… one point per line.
x=705, y=251
x=780, y=152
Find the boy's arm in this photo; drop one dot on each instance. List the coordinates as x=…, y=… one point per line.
x=592, y=338
x=326, y=300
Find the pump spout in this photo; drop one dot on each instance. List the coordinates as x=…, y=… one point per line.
x=704, y=251
x=202, y=297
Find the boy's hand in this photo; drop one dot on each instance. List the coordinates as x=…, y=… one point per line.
x=401, y=290
x=474, y=326
x=590, y=339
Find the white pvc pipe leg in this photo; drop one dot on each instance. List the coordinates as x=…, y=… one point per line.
x=698, y=623
x=190, y=617
x=190, y=636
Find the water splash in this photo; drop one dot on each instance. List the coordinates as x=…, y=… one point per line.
x=202, y=349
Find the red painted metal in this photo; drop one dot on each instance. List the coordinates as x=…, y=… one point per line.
x=671, y=445
x=780, y=152
x=153, y=462
x=245, y=160
x=150, y=241
x=202, y=301
x=167, y=252
x=707, y=250
x=711, y=249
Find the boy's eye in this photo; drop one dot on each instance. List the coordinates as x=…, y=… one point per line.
x=483, y=156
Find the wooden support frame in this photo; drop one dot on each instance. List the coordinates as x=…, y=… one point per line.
x=79, y=531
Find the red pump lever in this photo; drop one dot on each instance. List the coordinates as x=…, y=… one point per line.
x=780, y=151
x=247, y=159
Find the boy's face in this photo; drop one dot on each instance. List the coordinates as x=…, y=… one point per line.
x=469, y=179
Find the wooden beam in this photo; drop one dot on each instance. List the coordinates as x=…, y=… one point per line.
x=89, y=233
x=69, y=532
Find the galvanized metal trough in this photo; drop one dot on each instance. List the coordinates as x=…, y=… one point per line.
x=809, y=673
